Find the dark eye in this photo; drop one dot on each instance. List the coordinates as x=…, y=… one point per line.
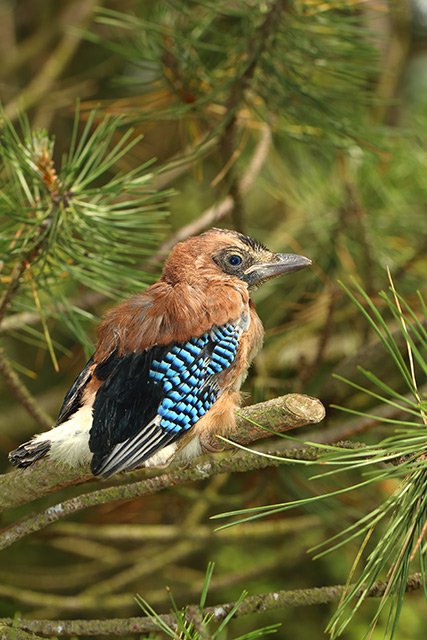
x=234, y=260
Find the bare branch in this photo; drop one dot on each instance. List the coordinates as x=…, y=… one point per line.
x=21, y=393
x=23, y=486
x=172, y=532
x=79, y=15
x=252, y=604
x=283, y=413
x=280, y=414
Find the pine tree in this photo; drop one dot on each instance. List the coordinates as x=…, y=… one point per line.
x=126, y=127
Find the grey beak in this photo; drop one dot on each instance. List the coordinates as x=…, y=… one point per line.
x=283, y=263
x=290, y=262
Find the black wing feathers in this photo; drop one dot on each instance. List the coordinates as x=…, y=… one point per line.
x=126, y=400
x=72, y=401
x=150, y=399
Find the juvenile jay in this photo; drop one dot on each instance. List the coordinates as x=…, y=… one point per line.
x=169, y=362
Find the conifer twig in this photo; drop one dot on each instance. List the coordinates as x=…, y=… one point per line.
x=219, y=210
x=251, y=604
x=227, y=142
x=241, y=462
x=167, y=532
x=55, y=63
x=14, y=281
x=21, y=393
x=290, y=411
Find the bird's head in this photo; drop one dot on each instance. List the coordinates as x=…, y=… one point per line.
x=220, y=253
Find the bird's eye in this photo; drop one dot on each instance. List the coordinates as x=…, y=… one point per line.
x=234, y=260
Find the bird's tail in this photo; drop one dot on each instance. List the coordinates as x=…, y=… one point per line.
x=29, y=452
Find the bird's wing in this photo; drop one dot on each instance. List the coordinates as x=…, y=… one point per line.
x=150, y=399
x=73, y=399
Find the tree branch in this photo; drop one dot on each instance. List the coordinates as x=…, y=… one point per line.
x=280, y=414
x=252, y=604
x=25, y=485
x=283, y=413
x=227, y=143
x=172, y=532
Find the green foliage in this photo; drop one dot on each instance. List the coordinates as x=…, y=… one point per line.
x=82, y=223
x=393, y=531
x=202, y=81
x=197, y=624
x=293, y=63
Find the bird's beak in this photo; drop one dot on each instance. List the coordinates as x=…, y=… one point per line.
x=280, y=264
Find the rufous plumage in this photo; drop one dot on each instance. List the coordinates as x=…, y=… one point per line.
x=169, y=362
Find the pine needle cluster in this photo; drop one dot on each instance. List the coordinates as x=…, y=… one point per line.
x=393, y=533
x=73, y=222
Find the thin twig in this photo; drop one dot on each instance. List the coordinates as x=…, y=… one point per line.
x=227, y=142
x=227, y=146
x=41, y=84
x=280, y=414
x=220, y=209
x=252, y=604
x=21, y=393
x=169, y=532
x=14, y=282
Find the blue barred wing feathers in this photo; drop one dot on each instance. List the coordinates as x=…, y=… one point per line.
x=150, y=399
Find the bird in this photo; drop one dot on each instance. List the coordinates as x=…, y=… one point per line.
x=169, y=361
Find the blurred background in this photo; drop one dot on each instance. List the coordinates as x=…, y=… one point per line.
x=303, y=124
